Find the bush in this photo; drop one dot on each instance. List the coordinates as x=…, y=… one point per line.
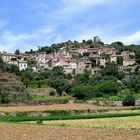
x=79, y=96
x=4, y=98
x=52, y=93
x=82, y=92
x=128, y=100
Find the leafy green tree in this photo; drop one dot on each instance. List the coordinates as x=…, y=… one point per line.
x=87, y=73
x=83, y=78
x=137, y=57
x=26, y=77
x=106, y=88
x=68, y=76
x=82, y=92
x=134, y=83
x=110, y=69
x=14, y=69
x=116, y=44
x=120, y=60
x=17, y=52
x=1, y=64
x=60, y=84
x=57, y=71
x=4, y=98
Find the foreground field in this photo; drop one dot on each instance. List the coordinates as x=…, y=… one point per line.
x=129, y=123
x=42, y=132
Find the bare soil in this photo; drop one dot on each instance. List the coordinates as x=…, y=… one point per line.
x=50, y=107
x=9, y=131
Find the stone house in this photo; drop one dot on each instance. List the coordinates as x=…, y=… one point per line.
x=113, y=58
x=128, y=62
x=83, y=64
x=127, y=54
x=7, y=57
x=102, y=62
x=22, y=64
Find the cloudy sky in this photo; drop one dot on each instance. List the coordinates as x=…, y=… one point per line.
x=25, y=24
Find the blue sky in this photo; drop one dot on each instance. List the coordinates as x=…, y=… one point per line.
x=25, y=24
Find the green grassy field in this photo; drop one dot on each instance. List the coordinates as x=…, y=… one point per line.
x=23, y=118
x=131, y=123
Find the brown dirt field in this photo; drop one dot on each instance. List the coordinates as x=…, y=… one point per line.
x=51, y=107
x=9, y=131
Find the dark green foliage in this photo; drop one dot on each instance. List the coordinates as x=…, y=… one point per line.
x=83, y=78
x=17, y=52
x=14, y=69
x=128, y=100
x=120, y=60
x=99, y=90
x=116, y=44
x=52, y=93
x=68, y=76
x=60, y=84
x=134, y=83
x=31, y=63
x=106, y=88
x=65, y=117
x=82, y=92
x=4, y=98
x=86, y=54
x=57, y=71
x=26, y=76
x=39, y=83
x=138, y=57
x=110, y=69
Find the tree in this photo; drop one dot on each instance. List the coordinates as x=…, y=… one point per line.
x=17, y=52
x=120, y=60
x=134, y=83
x=60, y=84
x=68, y=76
x=87, y=73
x=57, y=71
x=82, y=92
x=26, y=77
x=14, y=69
x=106, y=88
x=138, y=57
x=116, y=44
x=1, y=64
x=110, y=69
x=4, y=98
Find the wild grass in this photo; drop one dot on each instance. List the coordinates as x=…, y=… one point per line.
x=64, y=117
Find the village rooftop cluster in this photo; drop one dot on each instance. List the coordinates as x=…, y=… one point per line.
x=73, y=60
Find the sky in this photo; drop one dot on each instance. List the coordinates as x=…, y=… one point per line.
x=27, y=24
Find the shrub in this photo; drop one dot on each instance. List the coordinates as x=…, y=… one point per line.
x=52, y=93
x=82, y=92
x=128, y=100
x=80, y=96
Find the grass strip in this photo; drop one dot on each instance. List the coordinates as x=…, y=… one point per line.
x=24, y=118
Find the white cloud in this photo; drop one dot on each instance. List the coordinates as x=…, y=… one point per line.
x=25, y=41
x=131, y=39
x=70, y=7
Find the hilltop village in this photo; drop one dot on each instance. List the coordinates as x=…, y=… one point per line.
x=92, y=55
